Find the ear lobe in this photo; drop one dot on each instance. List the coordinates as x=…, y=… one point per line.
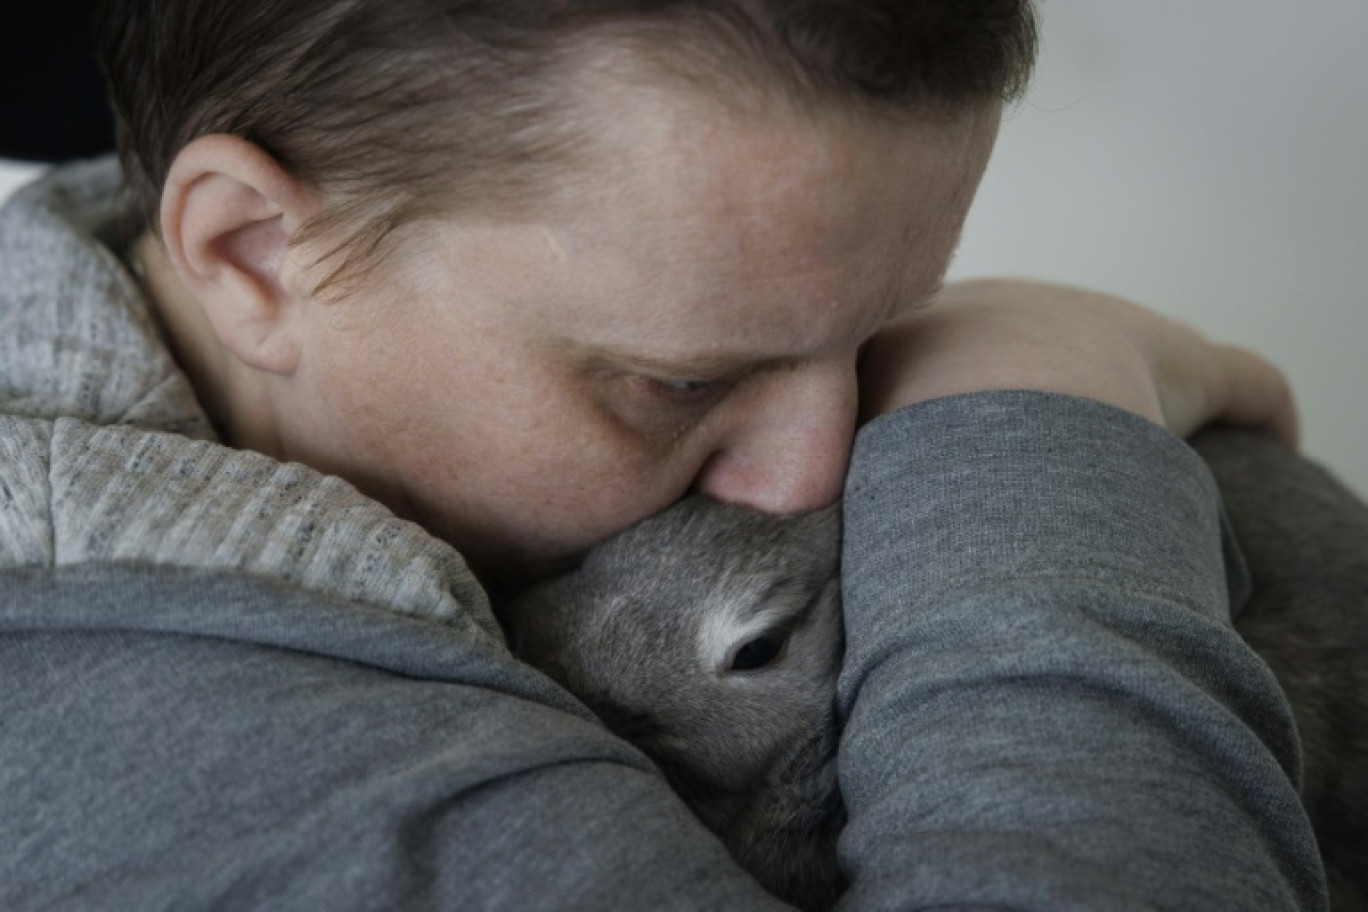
x=227, y=215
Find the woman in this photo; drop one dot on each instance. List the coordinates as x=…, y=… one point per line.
x=523, y=275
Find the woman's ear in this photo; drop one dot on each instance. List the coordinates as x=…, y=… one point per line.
x=228, y=211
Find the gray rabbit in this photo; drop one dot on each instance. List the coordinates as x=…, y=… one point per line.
x=710, y=636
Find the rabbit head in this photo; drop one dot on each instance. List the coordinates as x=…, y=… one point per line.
x=708, y=635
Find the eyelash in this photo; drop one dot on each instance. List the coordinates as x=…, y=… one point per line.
x=684, y=390
x=661, y=407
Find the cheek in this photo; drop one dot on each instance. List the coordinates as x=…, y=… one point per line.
x=542, y=476
x=563, y=446
x=505, y=454
x=593, y=481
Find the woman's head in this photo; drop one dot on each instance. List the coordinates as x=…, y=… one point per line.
x=634, y=268
x=395, y=110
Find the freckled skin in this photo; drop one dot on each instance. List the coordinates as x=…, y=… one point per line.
x=506, y=382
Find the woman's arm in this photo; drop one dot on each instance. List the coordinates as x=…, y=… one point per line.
x=1048, y=707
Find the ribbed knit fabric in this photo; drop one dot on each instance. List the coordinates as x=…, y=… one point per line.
x=85, y=375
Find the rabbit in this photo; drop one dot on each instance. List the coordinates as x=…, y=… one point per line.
x=710, y=636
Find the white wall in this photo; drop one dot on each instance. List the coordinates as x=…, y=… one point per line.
x=1208, y=158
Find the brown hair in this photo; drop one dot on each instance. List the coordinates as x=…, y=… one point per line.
x=397, y=109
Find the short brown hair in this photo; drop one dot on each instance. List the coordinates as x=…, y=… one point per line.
x=395, y=109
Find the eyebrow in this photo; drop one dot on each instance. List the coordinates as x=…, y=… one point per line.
x=692, y=366
x=733, y=365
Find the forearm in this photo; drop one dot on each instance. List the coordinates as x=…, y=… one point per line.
x=1047, y=705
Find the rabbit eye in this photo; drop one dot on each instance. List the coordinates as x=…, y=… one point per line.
x=758, y=653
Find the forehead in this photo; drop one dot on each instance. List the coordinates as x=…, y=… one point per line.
x=692, y=151
x=693, y=230
x=699, y=201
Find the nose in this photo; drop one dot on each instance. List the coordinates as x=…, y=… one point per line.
x=786, y=442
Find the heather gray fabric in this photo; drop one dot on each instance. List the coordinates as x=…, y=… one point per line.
x=1041, y=677
x=1305, y=536
x=231, y=683
x=184, y=740
x=94, y=416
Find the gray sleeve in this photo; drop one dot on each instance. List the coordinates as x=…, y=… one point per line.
x=1047, y=705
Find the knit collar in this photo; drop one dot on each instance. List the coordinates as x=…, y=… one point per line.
x=104, y=432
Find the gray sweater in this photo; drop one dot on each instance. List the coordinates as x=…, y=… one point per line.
x=228, y=682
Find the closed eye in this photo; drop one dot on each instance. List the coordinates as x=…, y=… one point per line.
x=685, y=391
